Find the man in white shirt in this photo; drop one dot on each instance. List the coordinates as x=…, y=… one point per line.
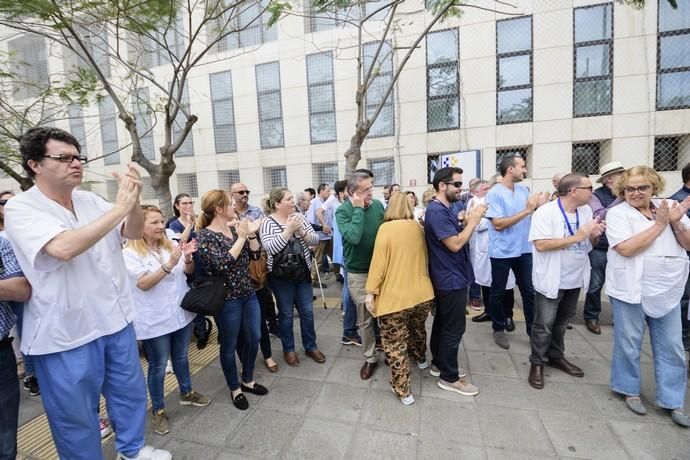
x=78, y=321
x=325, y=247
x=562, y=232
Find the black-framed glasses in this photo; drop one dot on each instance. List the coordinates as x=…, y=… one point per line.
x=68, y=158
x=243, y=192
x=456, y=184
x=590, y=188
x=641, y=189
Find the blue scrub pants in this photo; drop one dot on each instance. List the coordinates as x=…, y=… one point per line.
x=71, y=385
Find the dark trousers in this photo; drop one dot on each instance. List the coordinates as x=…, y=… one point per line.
x=447, y=331
x=551, y=318
x=522, y=268
x=268, y=319
x=9, y=401
x=508, y=301
x=685, y=323
x=597, y=259
x=475, y=291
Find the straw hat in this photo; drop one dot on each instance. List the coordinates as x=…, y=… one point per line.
x=610, y=168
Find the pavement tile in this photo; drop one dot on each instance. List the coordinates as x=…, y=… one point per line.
x=371, y=444
x=265, y=434
x=346, y=371
x=503, y=392
x=651, y=440
x=329, y=345
x=320, y=439
x=381, y=379
x=493, y=363
x=223, y=395
x=213, y=425
x=612, y=405
x=384, y=409
x=431, y=389
x=291, y=395
x=449, y=421
x=514, y=453
x=308, y=369
x=581, y=436
x=338, y=402
x=579, y=348
x=187, y=450
x=562, y=396
x=449, y=450
x=522, y=365
x=514, y=428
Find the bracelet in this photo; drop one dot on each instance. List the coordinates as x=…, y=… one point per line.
x=166, y=269
x=253, y=237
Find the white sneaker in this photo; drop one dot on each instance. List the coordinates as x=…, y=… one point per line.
x=462, y=387
x=168, y=367
x=434, y=371
x=148, y=453
x=423, y=364
x=104, y=426
x=407, y=400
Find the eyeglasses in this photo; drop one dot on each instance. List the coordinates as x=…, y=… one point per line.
x=590, y=188
x=456, y=184
x=68, y=158
x=641, y=189
x=243, y=192
x=3, y=202
x=185, y=202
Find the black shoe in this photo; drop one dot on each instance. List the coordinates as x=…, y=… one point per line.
x=201, y=343
x=31, y=385
x=339, y=278
x=481, y=318
x=257, y=389
x=510, y=325
x=240, y=402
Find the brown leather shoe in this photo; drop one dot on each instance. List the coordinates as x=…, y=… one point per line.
x=593, y=326
x=291, y=358
x=316, y=355
x=367, y=370
x=565, y=366
x=536, y=376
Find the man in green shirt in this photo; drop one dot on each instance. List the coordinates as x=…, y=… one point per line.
x=359, y=219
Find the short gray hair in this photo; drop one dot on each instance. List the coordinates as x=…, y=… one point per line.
x=301, y=196
x=354, y=180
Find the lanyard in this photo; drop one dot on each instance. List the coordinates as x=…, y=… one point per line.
x=567, y=222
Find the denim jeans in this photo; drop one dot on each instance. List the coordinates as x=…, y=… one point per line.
x=522, y=268
x=158, y=349
x=684, y=315
x=597, y=258
x=350, y=309
x=239, y=321
x=447, y=331
x=475, y=291
x=18, y=309
x=288, y=294
x=670, y=372
x=551, y=318
x=9, y=401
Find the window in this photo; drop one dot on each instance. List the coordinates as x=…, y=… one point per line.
x=316, y=21
x=159, y=47
x=30, y=63
x=186, y=183
x=95, y=37
x=586, y=158
x=76, y=126
x=270, y=107
x=593, y=60
x=223, y=112
x=383, y=169
x=274, y=177
x=321, y=91
x=147, y=192
x=382, y=75
x=514, y=70
x=108, y=120
x=187, y=147
x=667, y=152
x=248, y=23
x=141, y=108
x=111, y=190
x=325, y=173
x=509, y=152
x=227, y=177
x=673, y=57
x=432, y=165
x=442, y=95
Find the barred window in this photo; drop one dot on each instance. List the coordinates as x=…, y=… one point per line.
x=30, y=63
x=270, y=107
x=593, y=34
x=442, y=89
x=510, y=152
x=383, y=169
x=76, y=126
x=147, y=192
x=249, y=27
x=322, y=125
x=158, y=47
x=187, y=147
x=95, y=37
x=673, y=57
x=432, y=165
x=141, y=108
x=274, y=177
x=108, y=119
x=223, y=112
x=514, y=63
x=325, y=173
x=227, y=177
x=382, y=76
x=186, y=183
x=316, y=21
x=671, y=152
x=586, y=158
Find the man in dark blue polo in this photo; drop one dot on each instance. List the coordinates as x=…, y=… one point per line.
x=451, y=275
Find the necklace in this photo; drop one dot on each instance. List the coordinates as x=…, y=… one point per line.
x=157, y=254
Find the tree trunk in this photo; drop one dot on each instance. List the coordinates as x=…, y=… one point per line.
x=25, y=183
x=354, y=153
x=161, y=186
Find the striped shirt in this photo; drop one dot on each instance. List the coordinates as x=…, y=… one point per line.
x=273, y=241
x=9, y=268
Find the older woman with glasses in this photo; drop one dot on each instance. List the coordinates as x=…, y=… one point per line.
x=645, y=279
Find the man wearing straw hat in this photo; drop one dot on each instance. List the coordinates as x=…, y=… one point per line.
x=603, y=199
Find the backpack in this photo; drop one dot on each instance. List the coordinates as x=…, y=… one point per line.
x=290, y=264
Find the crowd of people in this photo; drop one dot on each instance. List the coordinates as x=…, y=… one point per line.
x=83, y=281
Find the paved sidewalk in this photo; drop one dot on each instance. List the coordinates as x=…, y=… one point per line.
x=326, y=411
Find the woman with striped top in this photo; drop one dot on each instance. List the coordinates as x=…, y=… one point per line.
x=277, y=231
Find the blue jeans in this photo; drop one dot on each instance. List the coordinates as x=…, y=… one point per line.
x=9, y=401
x=597, y=258
x=239, y=320
x=18, y=309
x=350, y=309
x=288, y=294
x=475, y=291
x=173, y=345
x=670, y=373
x=522, y=268
x=71, y=386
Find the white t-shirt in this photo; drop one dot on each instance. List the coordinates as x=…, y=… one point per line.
x=72, y=303
x=566, y=268
x=158, y=309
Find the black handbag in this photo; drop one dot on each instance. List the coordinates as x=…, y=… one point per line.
x=206, y=296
